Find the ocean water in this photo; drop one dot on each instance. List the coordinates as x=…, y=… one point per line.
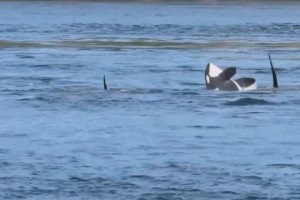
x=157, y=133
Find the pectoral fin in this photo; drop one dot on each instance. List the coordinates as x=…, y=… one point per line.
x=227, y=74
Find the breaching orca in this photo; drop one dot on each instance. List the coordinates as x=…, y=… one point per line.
x=217, y=79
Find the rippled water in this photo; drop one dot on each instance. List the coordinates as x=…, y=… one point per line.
x=157, y=133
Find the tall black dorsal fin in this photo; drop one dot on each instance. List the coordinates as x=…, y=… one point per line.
x=104, y=83
x=275, y=82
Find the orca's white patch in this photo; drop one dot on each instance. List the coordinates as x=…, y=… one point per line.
x=237, y=85
x=207, y=79
x=214, y=70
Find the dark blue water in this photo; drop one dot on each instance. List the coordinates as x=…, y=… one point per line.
x=157, y=133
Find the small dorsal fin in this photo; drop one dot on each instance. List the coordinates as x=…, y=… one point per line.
x=275, y=82
x=104, y=83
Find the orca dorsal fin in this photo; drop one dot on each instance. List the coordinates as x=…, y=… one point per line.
x=275, y=82
x=104, y=83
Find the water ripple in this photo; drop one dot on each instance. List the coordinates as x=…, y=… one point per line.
x=248, y=102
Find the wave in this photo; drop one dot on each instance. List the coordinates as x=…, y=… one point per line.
x=149, y=44
x=273, y=30
x=247, y=102
x=175, y=29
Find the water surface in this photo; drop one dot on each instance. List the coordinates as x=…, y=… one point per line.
x=157, y=133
